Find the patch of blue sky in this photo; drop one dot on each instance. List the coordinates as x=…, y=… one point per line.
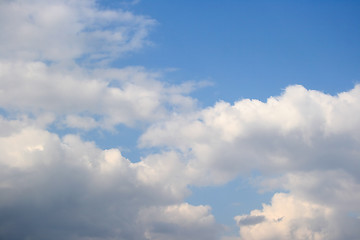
x=237, y=197
x=253, y=49
x=122, y=137
x=3, y=112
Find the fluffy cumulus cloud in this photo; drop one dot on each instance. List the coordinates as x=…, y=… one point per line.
x=299, y=130
x=318, y=205
x=305, y=143
x=288, y=218
x=292, y=217
x=65, y=188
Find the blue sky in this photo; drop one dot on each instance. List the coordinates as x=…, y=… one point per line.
x=156, y=120
x=257, y=47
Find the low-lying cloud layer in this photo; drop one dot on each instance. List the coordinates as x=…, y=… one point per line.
x=305, y=143
x=70, y=189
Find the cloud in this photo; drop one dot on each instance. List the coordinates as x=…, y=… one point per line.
x=66, y=188
x=336, y=188
x=44, y=173
x=54, y=71
x=299, y=130
x=291, y=217
x=47, y=66
x=304, y=142
x=86, y=99
x=65, y=30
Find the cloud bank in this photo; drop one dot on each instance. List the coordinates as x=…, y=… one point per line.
x=70, y=189
x=305, y=143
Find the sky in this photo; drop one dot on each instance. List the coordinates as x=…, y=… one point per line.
x=172, y=120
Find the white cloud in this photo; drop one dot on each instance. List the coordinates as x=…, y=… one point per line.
x=102, y=97
x=64, y=30
x=291, y=217
x=335, y=188
x=67, y=188
x=46, y=49
x=317, y=165
x=307, y=139
x=299, y=130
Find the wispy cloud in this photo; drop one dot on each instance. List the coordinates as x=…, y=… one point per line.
x=68, y=30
